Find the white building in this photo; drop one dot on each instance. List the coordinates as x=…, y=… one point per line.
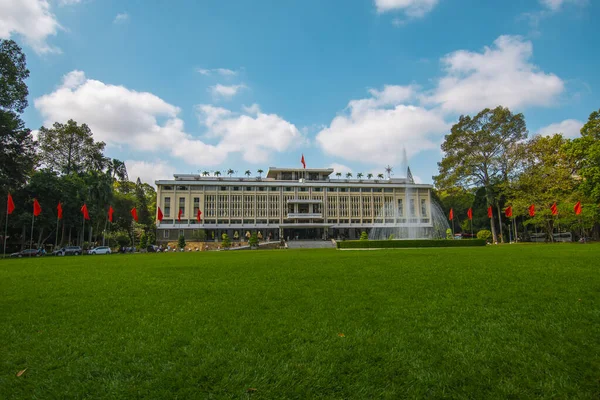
x=292, y=203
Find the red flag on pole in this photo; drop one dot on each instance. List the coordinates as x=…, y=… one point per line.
x=110, y=213
x=179, y=214
x=508, y=211
x=532, y=210
x=470, y=214
x=10, y=205
x=554, y=209
x=134, y=214
x=85, y=213
x=490, y=212
x=37, y=209
x=577, y=208
x=302, y=161
x=198, y=214
x=160, y=215
x=451, y=216
x=59, y=210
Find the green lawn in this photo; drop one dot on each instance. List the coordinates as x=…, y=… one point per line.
x=515, y=321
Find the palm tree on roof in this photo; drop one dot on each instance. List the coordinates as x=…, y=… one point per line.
x=248, y=173
x=369, y=176
x=338, y=174
x=230, y=172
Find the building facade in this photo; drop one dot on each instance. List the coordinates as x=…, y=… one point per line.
x=289, y=203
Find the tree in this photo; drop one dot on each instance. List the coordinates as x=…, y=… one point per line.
x=217, y=173
x=338, y=174
x=348, y=175
x=253, y=241
x=479, y=152
x=369, y=176
x=585, y=152
x=117, y=170
x=248, y=173
x=17, y=152
x=13, y=72
x=230, y=172
x=226, y=242
x=69, y=148
x=380, y=176
x=181, y=242
x=141, y=203
x=260, y=171
x=205, y=173
x=359, y=175
x=364, y=236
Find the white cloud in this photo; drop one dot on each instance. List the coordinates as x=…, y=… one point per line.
x=569, y=128
x=121, y=116
x=377, y=128
x=68, y=2
x=254, y=109
x=500, y=75
x=341, y=168
x=224, y=91
x=30, y=19
x=556, y=5
x=121, y=18
x=412, y=8
x=148, y=172
x=218, y=71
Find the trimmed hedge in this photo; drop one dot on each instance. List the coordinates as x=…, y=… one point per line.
x=388, y=244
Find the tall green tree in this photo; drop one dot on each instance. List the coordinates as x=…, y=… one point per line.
x=478, y=152
x=70, y=147
x=13, y=72
x=585, y=151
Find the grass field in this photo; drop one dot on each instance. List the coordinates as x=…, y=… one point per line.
x=515, y=321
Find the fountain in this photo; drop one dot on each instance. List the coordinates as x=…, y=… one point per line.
x=407, y=226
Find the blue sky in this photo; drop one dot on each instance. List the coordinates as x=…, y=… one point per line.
x=184, y=86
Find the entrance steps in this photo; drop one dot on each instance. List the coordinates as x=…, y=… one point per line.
x=310, y=244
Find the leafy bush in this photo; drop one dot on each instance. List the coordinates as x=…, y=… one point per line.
x=253, y=241
x=181, y=242
x=143, y=241
x=484, y=234
x=199, y=235
x=364, y=236
x=226, y=243
x=391, y=237
x=388, y=244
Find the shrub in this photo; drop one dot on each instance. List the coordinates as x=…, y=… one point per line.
x=388, y=244
x=143, y=241
x=199, y=235
x=226, y=243
x=484, y=234
x=364, y=236
x=181, y=242
x=253, y=241
x=391, y=237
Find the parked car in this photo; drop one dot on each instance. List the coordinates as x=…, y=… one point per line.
x=27, y=253
x=68, y=251
x=100, y=250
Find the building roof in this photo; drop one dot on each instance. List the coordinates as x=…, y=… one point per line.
x=272, y=171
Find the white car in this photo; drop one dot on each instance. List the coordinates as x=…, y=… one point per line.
x=100, y=250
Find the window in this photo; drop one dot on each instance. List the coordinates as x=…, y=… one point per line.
x=236, y=188
x=196, y=205
x=165, y=234
x=303, y=189
x=182, y=206
x=181, y=232
x=167, y=206
x=274, y=189
x=168, y=187
x=423, y=207
x=261, y=188
x=412, y=208
x=249, y=188
x=289, y=189
x=318, y=189
x=182, y=188
x=355, y=190
x=400, y=207
x=343, y=189
x=223, y=188
x=388, y=190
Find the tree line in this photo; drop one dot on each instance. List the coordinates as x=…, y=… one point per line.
x=64, y=165
x=490, y=160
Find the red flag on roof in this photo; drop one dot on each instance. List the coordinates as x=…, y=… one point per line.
x=85, y=213
x=554, y=209
x=10, y=205
x=134, y=214
x=37, y=209
x=577, y=208
x=110, y=213
x=198, y=215
x=302, y=161
x=59, y=210
x=532, y=210
x=490, y=212
x=160, y=215
x=470, y=213
x=451, y=216
x=508, y=212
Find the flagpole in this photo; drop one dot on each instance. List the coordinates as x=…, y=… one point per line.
x=31, y=239
x=56, y=240
x=82, y=232
x=510, y=233
x=5, y=230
